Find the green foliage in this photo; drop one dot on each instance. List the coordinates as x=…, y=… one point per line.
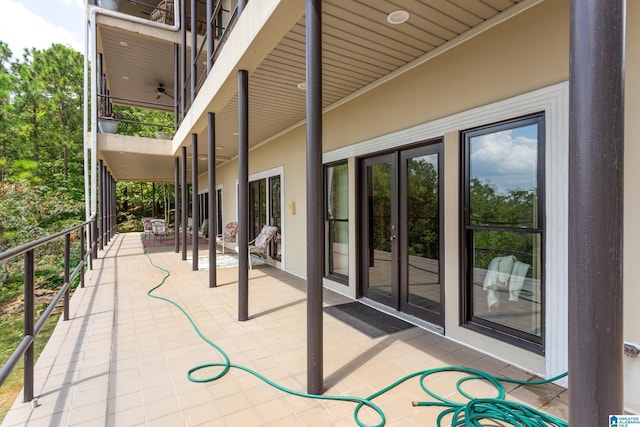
x=41, y=107
x=142, y=122
x=41, y=156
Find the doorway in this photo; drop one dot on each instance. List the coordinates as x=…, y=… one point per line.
x=401, y=223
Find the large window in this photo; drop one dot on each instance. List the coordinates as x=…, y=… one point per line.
x=265, y=208
x=337, y=221
x=275, y=215
x=503, y=229
x=219, y=211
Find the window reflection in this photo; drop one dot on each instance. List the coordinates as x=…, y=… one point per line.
x=503, y=227
x=503, y=177
x=337, y=220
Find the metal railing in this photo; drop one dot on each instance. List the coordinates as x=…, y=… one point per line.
x=31, y=327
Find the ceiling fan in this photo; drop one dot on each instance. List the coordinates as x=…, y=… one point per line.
x=161, y=90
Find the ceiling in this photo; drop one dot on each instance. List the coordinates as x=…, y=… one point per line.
x=359, y=48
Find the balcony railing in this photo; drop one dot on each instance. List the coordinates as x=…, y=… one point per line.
x=31, y=327
x=216, y=23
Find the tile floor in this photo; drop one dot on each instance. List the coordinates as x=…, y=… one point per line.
x=122, y=359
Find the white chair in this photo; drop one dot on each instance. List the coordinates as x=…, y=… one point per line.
x=229, y=234
x=159, y=228
x=203, y=231
x=260, y=245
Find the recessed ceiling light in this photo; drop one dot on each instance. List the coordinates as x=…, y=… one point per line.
x=235, y=133
x=398, y=17
x=124, y=44
x=219, y=147
x=302, y=86
x=125, y=77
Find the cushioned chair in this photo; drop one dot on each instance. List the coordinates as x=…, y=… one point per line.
x=159, y=228
x=146, y=225
x=228, y=235
x=203, y=231
x=260, y=245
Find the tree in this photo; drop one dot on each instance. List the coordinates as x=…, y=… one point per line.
x=6, y=84
x=46, y=115
x=41, y=142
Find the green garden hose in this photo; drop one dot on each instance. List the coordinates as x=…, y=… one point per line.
x=463, y=414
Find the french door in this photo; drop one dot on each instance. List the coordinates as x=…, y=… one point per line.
x=401, y=221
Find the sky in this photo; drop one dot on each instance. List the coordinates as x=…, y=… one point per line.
x=507, y=159
x=40, y=23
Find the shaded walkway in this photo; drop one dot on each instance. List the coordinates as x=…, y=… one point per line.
x=122, y=359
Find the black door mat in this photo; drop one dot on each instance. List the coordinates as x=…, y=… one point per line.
x=367, y=320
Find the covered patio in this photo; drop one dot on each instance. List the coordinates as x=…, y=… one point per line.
x=123, y=357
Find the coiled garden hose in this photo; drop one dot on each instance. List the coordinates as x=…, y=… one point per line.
x=463, y=414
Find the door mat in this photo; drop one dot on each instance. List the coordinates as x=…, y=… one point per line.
x=367, y=320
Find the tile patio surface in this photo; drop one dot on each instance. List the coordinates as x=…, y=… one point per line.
x=122, y=359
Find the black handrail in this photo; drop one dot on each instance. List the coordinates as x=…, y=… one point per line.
x=31, y=328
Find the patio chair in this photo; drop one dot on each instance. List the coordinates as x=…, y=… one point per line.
x=260, y=245
x=146, y=226
x=203, y=231
x=229, y=234
x=159, y=228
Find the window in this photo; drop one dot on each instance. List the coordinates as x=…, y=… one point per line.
x=275, y=216
x=265, y=208
x=219, y=211
x=503, y=230
x=257, y=207
x=337, y=221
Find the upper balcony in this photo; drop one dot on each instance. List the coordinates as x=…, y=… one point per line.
x=136, y=52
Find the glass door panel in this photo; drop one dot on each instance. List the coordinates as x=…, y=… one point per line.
x=380, y=229
x=420, y=216
x=401, y=249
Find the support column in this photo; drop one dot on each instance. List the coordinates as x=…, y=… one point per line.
x=105, y=206
x=211, y=33
x=596, y=145
x=112, y=196
x=101, y=203
x=195, y=201
x=176, y=204
x=153, y=199
x=183, y=58
x=243, y=195
x=176, y=87
x=184, y=203
x=211, y=202
x=315, y=220
x=194, y=54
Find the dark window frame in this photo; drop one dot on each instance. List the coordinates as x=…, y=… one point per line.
x=467, y=320
x=275, y=215
x=328, y=270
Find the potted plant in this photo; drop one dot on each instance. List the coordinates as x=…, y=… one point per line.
x=108, y=123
